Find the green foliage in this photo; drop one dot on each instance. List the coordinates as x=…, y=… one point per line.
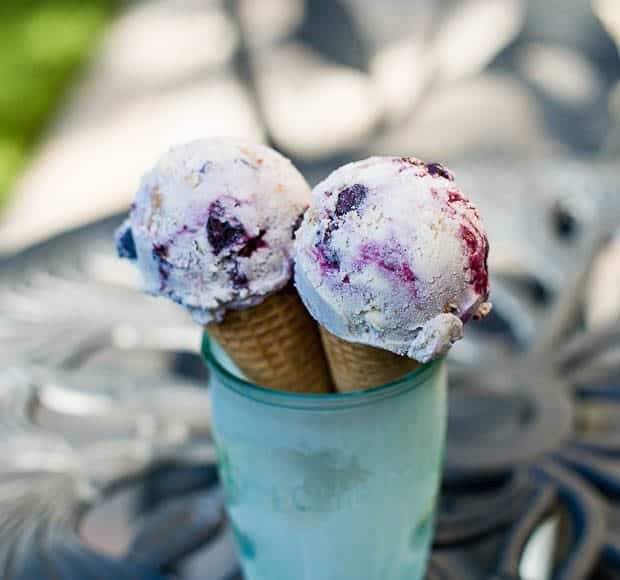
x=43, y=43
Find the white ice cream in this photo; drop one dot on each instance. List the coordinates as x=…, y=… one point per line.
x=391, y=254
x=213, y=223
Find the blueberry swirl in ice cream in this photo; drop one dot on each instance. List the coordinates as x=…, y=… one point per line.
x=212, y=226
x=393, y=255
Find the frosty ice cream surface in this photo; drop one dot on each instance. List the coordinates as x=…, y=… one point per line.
x=213, y=223
x=390, y=254
x=393, y=255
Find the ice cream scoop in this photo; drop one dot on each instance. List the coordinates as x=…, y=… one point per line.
x=393, y=255
x=212, y=225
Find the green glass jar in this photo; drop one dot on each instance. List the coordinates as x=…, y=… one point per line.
x=330, y=487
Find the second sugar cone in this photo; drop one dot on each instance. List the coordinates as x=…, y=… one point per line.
x=357, y=366
x=276, y=344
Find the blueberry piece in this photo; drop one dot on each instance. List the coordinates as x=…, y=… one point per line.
x=329, y=230
x=126, y=245
x=351, y=198
x=437, y=169
x=239, y=280
x=223, y=232
x=253, y=244
x=327, y=258
x=160, y=253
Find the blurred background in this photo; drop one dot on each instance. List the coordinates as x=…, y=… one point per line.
x=107, y=460
x=93, y=91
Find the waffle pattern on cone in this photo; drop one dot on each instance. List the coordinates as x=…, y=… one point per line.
x=357, y=366
x=276, y=344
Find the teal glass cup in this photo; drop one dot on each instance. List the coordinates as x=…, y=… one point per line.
x=330, y=487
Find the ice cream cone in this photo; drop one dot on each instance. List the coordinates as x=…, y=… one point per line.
x=392, y=255
x=276, y=344
x=357, y=366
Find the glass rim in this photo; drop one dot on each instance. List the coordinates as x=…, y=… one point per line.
x=263, y=393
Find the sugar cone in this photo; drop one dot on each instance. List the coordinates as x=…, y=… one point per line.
x=357, y=366
x=276, y=344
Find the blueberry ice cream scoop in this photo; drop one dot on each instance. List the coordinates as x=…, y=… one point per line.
x=212, y=225
x=392, y=254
